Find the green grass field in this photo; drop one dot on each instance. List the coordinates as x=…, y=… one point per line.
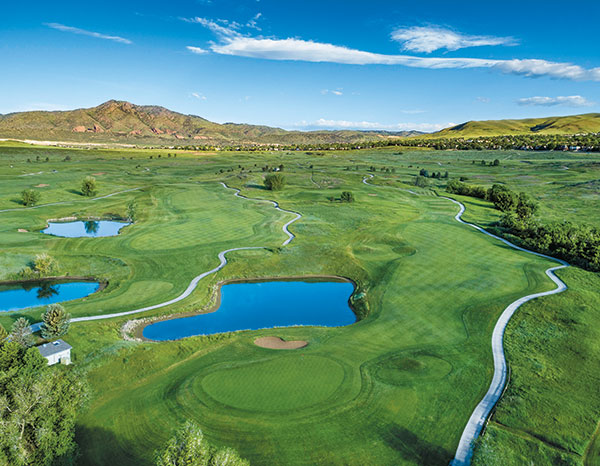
x=394, y=388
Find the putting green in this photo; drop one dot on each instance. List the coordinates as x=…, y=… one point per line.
x=281, y=384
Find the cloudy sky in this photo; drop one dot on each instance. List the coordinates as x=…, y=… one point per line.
x=306, y=64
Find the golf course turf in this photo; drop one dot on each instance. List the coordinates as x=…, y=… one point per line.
x=397, y=387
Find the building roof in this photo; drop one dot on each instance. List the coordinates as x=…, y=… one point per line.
x=58, y=346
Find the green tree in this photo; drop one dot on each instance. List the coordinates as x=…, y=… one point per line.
x=38, y=409
x=421, y=181
x=525, y=207
x=20, y=333
x=88, y=186
x=502, y=197
x=275, y=181
x=45, y=264
x=347, y=196
x=496, y=162
x=56, y=322
x=188, y=447
x=30, y=197
x=3, y=334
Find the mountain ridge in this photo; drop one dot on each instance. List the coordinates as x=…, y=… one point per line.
x=117, y=121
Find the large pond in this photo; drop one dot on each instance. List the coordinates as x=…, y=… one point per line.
x=258, y=305
x=78, y=229
x=15, y=297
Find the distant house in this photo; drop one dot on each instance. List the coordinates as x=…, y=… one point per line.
x=56, y=351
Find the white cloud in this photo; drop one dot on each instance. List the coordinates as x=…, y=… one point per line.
x=334, y=91
x=253, y=22
x=483, y=100
x=567, y=101
x=235, y=44
x=322, y=123
x=197, y=50
x=430, y=38
x=198, y=95
x=62, y=27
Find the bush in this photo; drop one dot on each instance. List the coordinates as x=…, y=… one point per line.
x=30, y=197
x=88, y=186
x=275, y=181
x=347, y=196
x=45, y=264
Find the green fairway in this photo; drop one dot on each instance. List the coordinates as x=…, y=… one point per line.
x=395, y=388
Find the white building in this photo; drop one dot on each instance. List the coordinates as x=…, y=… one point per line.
x=56, y=351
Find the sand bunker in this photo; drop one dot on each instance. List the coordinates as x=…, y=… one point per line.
x=22, y=230
x=99, y=174
x=42, y=185
x=278, y=343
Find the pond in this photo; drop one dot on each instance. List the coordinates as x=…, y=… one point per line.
x=32, y=294
x=90, y=228
x=258, y=305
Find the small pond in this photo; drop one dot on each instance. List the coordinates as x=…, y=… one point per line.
x=32, y=294
x=79, y=229
x=258, y=305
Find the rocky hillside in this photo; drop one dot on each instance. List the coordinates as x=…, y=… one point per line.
x=123, y=122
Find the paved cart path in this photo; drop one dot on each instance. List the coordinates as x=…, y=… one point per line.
x=464, y=451
x=194, y=283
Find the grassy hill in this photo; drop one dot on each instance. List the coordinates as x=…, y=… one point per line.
x=123, y=122
x=574, y=124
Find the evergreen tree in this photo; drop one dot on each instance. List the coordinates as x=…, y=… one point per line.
x=56, y=322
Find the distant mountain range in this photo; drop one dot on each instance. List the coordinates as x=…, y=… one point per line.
x=123, y=122
x=120, y=122
x=574, y=124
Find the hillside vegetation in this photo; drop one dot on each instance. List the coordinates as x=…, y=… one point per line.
x=123, y=122
x=573, y=124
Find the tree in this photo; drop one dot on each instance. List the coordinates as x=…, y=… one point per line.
x=38, y=410
x=3, y=334
x=45, y=264
x=502, y=197
x=275, y=181
x=88, y=186
x=131, y=211
x=526, y=206
x=20, y=333
x=496, y=162
x=421, y=181
x=30, y=197
x=188, y=447
x=56, y=322
x=347, y=196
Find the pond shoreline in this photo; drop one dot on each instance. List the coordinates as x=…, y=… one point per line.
x=102, y=284
x=136, y=331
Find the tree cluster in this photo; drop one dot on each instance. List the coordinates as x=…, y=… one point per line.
x=188, y=447
x=38, y=408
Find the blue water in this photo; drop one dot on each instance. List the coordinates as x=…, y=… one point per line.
x=256, y=305
x=78, y=229
x=13, y=298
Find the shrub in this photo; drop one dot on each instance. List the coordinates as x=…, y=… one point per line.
x=45, y=264
x=275, y=181
x=347, y=196
x=30, y=197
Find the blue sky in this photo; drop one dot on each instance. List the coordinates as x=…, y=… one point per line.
x=306, y=64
